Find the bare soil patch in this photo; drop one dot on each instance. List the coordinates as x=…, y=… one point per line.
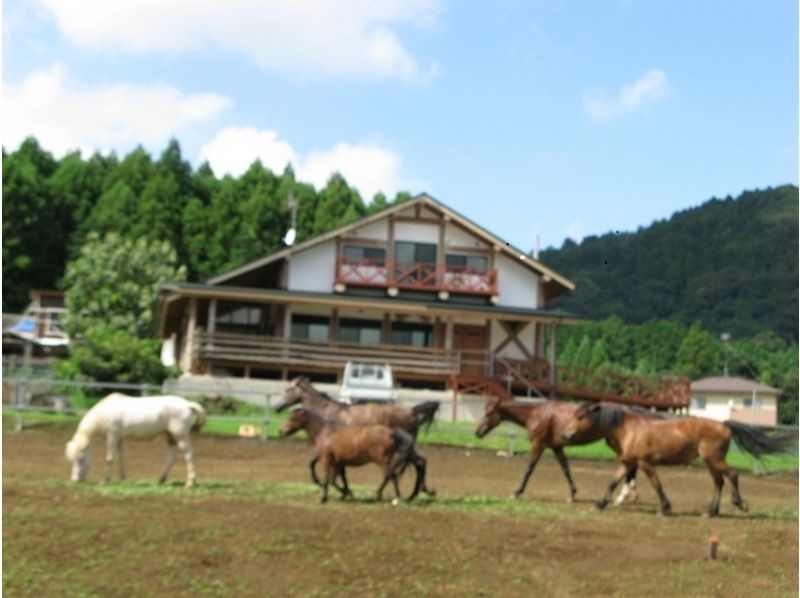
x=254, y=527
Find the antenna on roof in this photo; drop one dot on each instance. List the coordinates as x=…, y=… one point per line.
x=291, y=234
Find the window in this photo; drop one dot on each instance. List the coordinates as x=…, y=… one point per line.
x=365, y=332
x=406, y=252
x=238, y=318
x=310, y=328
x=354, y=254
x=418, y=335
x=471, y=264
x=753, y=403
x=698, y=403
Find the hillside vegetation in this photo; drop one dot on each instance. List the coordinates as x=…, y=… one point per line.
x=731, y=264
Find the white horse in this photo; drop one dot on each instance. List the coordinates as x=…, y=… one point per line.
x=119, y=416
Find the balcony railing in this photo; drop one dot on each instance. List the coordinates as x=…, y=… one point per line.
x=273, y=351
x=417, y=276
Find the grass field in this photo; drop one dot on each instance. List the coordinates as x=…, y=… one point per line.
x=253, y=527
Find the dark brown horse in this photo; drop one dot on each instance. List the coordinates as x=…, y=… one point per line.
x=546, y=423
x=338, y=446
x=644, y=442
x=409, y=419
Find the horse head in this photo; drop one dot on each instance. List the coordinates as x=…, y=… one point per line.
x=298, y=420
x=293, y=394
x=77, y=453
x=492, y=416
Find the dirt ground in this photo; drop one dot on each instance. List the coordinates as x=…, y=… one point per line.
x=254, y=527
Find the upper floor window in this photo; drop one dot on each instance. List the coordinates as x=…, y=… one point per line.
x=471, y=264
x=406, y=252
x=355, y=254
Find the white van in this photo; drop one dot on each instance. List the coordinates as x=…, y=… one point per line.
x=367, y=383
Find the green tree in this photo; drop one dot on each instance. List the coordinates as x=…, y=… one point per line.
x=114, y=284
x=33, y=239
x=338, y=204
x=699, y=353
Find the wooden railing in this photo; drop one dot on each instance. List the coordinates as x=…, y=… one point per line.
x=276, y=352
x=421, y=276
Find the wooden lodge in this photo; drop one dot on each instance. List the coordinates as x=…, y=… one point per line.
x=416, y=285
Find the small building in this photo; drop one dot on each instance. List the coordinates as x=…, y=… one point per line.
x=730, y=398
x=416, y=285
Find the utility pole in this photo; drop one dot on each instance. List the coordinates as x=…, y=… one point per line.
x=725, y=336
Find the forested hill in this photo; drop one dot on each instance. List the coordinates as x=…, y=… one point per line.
x=730, y=263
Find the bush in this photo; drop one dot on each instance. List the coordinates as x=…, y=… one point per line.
x=107, y=355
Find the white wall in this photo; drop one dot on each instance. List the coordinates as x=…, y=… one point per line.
x=313, y=269
x=416, y=231
x=518, y=284
x=455, y=236
x=378, y=231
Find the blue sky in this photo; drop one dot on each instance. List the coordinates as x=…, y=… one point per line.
x=552, y=118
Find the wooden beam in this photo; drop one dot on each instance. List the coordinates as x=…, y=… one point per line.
x=553, y=361
x=211, y=325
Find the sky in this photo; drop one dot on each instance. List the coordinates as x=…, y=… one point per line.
x=546, y=119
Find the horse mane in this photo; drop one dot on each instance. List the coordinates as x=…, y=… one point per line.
x=608, y=416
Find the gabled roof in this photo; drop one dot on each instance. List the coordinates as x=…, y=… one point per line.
x=421, y=199
x=731, y=384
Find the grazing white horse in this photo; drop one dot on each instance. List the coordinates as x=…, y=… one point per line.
x=119, y=416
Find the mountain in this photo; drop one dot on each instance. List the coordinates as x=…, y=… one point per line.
x=730, y=263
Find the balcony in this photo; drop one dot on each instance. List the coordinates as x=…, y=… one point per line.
x=271, y=351
x=416, y=276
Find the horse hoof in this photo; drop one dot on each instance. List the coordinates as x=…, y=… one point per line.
x=191, y=484
x=571, y=500
x=430, y=492
x=600, y=504
x=743, y=506
x=323, y=500
x=395, y=502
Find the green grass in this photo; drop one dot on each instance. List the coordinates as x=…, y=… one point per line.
x=506, y=437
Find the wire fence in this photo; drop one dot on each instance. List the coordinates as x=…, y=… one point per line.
x=26, y=395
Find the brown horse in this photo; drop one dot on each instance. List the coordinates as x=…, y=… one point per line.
x=546, y=424
x=338, y=446
x=644, y=442
x=409, y=419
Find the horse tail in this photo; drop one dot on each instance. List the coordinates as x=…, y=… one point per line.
x=425, y=413
x=755, y=441
x=200, y=414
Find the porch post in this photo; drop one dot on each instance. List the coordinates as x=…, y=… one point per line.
x=553, y=366
x=212, y=316
x=287, y=323
x=188, y=352
x=333, y=329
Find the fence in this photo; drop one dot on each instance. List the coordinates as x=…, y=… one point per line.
x=27, y=394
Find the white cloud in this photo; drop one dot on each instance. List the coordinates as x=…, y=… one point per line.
x=647, y=89
x=63, y=116
x=368, y=167
x=311, y=37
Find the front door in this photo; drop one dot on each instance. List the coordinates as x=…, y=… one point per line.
x=471, y=341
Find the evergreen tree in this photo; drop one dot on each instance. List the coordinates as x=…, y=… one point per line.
x=698, y=354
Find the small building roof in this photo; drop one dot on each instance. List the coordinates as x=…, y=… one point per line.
x=731, y=384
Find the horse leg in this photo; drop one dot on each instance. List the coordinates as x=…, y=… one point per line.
x=628, y=488
x=650, y=470
x=172, y=452
x=562, y=460
x=421, y=465
x=329, y=473
x=111, y=450
x=536, y=452
x=619, y=475
x=186, y=448
x=120, y=460
x=719, y=481
x=733, y=477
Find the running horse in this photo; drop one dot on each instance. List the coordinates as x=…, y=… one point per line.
x=546, y=423
x=338, y=445
x=408, y=419
x=643, y=442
